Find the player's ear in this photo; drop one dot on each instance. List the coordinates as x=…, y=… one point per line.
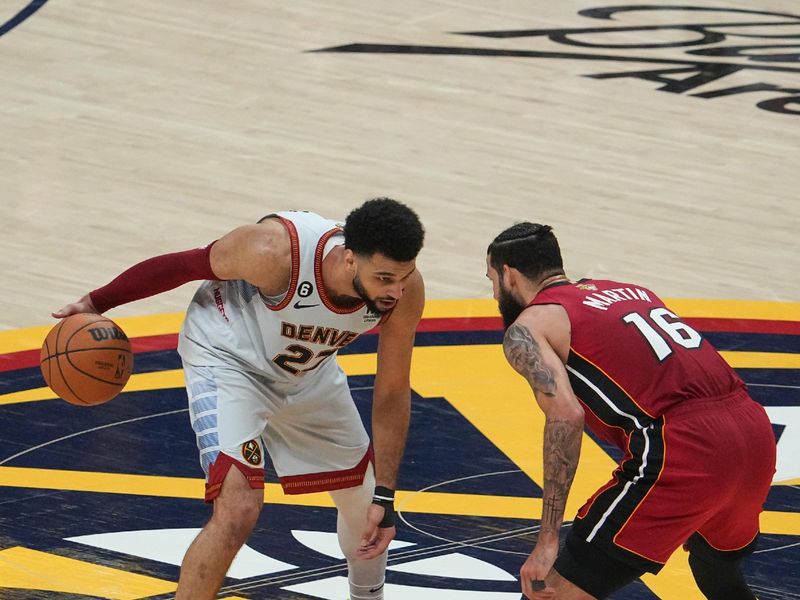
x=510, y=276
x=349, y=261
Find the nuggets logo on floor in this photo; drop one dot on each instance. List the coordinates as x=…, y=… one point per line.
x=251, y=452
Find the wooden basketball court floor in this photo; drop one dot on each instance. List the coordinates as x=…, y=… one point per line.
x=661, y=142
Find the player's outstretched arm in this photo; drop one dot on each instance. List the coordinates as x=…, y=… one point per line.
x=528, y=349
x=391, y=410
x=250, y=252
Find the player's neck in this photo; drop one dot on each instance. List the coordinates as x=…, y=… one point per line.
x=547, y=281
x=337, y=279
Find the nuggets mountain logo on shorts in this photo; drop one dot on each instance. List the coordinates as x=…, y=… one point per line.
x=251, y=452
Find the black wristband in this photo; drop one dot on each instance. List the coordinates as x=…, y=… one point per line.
x=384, y=497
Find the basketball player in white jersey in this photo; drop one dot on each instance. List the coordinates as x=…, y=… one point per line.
x=279, y=299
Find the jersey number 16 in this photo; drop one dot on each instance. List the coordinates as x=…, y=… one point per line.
x=670, y=327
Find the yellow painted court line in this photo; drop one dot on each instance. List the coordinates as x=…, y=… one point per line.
x=443, y=309
x=28, y=569
x=784, y=523
x=185, y=487
x=353, y=364
x=30, y=338
x=483, y=505
x=675, y=580
x=365, y=364
x=735, y=309
x=795, y=481
x=762, y=360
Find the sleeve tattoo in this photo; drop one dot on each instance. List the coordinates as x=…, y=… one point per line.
x=562, y=448
x=525, y=356
x=562, y=437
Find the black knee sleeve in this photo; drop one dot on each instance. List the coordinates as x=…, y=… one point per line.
x=719, y=580
x=719, y=574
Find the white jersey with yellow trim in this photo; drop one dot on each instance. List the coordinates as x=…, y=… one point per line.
x=231, y=323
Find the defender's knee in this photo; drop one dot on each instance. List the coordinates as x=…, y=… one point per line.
x=718, y=574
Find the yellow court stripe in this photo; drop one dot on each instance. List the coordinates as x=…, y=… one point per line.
x=185, y=487
x=675, y=580
x=784, y=523
x=353, y=364
x=511, y=507
x=762, y=360
x=28, y=569
x=443, y=309
x=482, y=387
x=735, y=309
x=365, y=364
x=30, y=338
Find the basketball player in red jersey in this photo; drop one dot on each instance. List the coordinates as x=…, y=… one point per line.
x=279, y=299
x=699, y=453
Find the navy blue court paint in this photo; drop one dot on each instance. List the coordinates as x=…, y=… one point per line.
x=21, y=16
x=148, y=433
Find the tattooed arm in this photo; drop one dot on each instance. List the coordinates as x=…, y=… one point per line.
x=529, y=350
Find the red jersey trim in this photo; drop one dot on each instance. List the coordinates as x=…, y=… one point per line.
x=328, y=480
x=318, y=276
x=292, y=230
x=219, y=469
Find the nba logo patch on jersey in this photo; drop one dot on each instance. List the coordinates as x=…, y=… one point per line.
x=587, y=286
x=251, y=452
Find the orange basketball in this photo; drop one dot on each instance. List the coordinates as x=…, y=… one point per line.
x=86, y=359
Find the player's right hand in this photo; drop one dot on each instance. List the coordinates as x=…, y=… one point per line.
x=536, y=569
x=84, y=305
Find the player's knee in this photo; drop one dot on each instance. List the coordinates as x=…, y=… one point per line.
x=236, y=510
x=352, y=503
x=718, y=579
x=235, y=522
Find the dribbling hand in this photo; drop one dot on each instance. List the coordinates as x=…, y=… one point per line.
x=84, y=305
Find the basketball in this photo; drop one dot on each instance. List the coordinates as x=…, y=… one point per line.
x=86, y=359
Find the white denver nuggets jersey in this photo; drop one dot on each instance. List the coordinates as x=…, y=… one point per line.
x=232, y=323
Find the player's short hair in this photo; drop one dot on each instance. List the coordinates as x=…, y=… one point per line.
x=386, y=226
x=530, y=248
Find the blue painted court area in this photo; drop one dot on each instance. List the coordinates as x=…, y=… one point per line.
x=147, y=433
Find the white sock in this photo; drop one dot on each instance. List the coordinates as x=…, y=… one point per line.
x=364, y=592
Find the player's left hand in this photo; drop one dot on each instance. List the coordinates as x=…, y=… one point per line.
x=375, y=540
x=536, y=568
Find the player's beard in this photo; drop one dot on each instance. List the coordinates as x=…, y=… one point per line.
x=362, y=293
x=510, y=309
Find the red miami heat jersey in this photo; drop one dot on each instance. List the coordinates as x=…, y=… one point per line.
x=631, y=359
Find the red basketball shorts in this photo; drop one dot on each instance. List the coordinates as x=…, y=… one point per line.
x=704, y=467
